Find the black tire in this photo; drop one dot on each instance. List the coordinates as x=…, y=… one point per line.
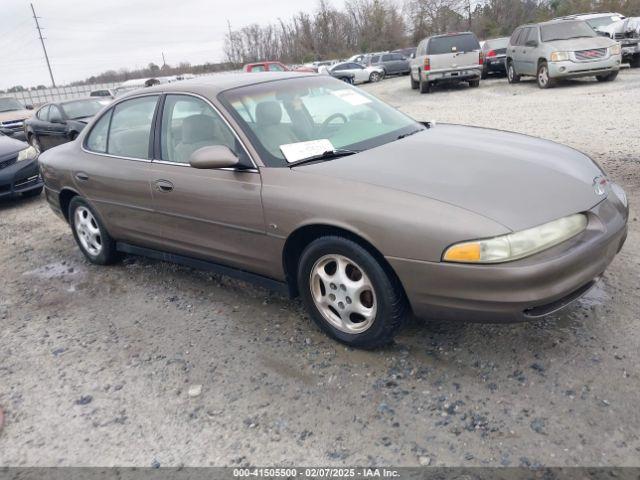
x=425, y=85
x=610, y=77
x=33, y=193
x=635, y=61
x=512, y=76
x=474, y=83
x=73, y=136
x=414, y=83
x=484, y=74
x=108, y=253
x=375, y=77
x=542, y=76
x=389, y=299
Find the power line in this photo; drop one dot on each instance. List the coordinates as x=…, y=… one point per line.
x=46, y=57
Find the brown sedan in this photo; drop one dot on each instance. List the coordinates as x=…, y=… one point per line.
x=313, y=187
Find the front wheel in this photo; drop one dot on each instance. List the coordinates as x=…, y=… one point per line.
x=610, y=77
x=474, y=83
x=512, y=76
x=544, y=80
x=375, y=77
x=90, y=234
x=348, y=294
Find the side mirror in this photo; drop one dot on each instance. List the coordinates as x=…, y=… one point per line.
x=56, y=120
x=413, y=55
x=29, y=107
x=214, y=156
x=531, y=43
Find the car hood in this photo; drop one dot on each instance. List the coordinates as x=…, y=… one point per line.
x=15, y=115
x=515, y=180
x=575, y=44
x=10, y=146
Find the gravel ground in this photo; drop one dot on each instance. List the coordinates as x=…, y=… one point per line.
x=147, y=363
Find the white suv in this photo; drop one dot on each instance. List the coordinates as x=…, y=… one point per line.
x=452, y=57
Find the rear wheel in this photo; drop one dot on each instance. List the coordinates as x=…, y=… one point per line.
x=93, y=239
x=512, y=76
x=414, y=83
x=474, y=83
x=635, y=61
x=375, y=77
x=610, y=77
x=349, y=294
x=425, y=85
x=544, y=80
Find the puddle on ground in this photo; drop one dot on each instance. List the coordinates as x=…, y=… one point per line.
x=582, y=310
x=54, y=270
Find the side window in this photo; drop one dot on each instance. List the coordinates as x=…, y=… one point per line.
x=257, y=68
x=274, y=67
x=54, y=113
x=522, y=36
x=97, y=139
x=43, y=113
x=387, y=58
x=375, y=59
x=131, y=127
x=533, y=35
x=514, y=37
x=189, y=123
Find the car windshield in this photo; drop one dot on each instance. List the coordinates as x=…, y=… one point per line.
x=82, y=108
x=453, y=43
x=565, y=31
x=10, y=104
x=603, y=21
x=299, y=110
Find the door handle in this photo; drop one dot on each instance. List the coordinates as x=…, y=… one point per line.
x=83, y=177
x=163, y=186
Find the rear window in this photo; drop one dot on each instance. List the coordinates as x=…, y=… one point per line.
x=496, y=43
x=453, y=43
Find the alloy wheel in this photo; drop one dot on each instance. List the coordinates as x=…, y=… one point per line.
x=343, y=293
x=88, y=231
x=543, y=76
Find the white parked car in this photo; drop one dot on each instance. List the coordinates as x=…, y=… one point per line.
x=361, y=74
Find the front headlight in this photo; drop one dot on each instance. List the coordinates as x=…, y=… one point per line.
x=28, y=153
x=519, y=244
x=559, y=56
x=615, y=50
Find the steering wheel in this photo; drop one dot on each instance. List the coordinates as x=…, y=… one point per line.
x=327, y=122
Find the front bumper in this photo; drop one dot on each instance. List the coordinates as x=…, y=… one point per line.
x=19, y=178
x=631, y=48
x=521, y=290
x=571, y=69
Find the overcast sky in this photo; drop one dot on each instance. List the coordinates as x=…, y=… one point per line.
x=86, y=37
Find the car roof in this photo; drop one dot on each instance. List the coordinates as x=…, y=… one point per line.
x=589, y=16
x=211, y=85
x=452, y=34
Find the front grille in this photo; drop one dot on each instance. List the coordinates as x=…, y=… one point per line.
x=618, y=36
x=591, y=54
x=8, y=163
x=25, y=182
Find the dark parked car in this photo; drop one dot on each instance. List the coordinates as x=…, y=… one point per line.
x=57, y=123
x=494, y=52
x=18, y=169
x=311, y=186
x=392, y=63
x=12, y=117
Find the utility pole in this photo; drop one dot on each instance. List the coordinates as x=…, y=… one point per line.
x=46, y=57
x=164, y=63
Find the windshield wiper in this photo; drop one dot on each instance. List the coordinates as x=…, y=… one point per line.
x=328, y=155
x=413, y=132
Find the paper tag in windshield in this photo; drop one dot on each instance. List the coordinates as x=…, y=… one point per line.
x=298, y=151
x=351, y=96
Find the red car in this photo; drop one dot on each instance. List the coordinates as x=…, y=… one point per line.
x=271, y=66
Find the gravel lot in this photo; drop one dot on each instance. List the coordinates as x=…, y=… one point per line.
x=101, y=366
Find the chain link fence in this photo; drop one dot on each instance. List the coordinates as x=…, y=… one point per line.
x=38, y=97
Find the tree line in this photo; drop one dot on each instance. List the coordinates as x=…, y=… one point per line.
x=379, y=25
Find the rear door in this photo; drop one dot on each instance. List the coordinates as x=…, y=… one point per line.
x=116, y=169
x=57, y=127
x=215, y=214
x=453, y=52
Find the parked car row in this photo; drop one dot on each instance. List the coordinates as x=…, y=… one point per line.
x=569, y=47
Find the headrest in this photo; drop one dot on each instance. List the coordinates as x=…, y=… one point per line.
x=198, y=128
x=268, y=113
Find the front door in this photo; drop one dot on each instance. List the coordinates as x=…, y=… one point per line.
x=206, y=213
x=54, y=132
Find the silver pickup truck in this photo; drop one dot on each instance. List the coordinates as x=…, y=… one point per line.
x=453, y=57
